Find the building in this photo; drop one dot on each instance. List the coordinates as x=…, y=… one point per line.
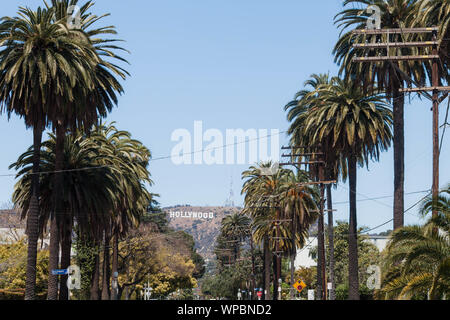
x=12, y=228
x=303, y=258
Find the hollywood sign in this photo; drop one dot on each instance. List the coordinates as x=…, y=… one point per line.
x=191, y=215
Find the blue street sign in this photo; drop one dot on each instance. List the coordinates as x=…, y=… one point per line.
x=59, y=272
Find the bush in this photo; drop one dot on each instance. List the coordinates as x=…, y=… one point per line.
x=15, y=295
x=364, y=292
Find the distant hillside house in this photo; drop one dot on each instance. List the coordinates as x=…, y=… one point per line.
x=303, y=258
x=12, y=228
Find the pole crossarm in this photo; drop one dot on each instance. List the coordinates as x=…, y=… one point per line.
x=395, y=58
x=396, y=30
x=445, y=89
x=395, y=45
x=301, y=155
x=301, y=163
x=316, y=183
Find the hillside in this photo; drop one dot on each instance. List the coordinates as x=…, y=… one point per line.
x=204, y=230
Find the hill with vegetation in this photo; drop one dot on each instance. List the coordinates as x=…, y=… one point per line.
x=204, y=231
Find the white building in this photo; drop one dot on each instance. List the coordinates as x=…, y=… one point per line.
x=303, y=258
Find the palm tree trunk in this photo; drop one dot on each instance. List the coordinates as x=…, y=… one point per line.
x=53, y=263
x=33, y=217
x=353, y=278
x=293, y=254
x=399, y=156
x=331, y=243
x=320, y=257
x=267, y=262
x=253, y=269
x=58, y=197
x=96, y=274
x=106, y=268
x=275, y=277
x=66, y=246
x=115, y=265
x=291, y=291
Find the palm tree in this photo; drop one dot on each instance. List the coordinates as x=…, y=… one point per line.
x=236, y=228
x=388, y=76
x=356, y=128
x=266, y=201
x=418, y=257
x=298, y=110
x=85, y=191
x=258, y=206
x=95, y=96
x=431, y=13
x=131, y=161
x=300, y=205
x=35, y=61
x=93, y=196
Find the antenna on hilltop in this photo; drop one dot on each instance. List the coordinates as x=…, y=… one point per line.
x=230, y=201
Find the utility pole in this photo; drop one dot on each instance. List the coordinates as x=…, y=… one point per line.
x=315, y=164
x=253, y=267
x=435, y=89
x=436, y=151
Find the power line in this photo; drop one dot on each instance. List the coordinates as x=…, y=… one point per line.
x=154, y=159
x=445, y=125
x=407, y=210
x=379, y=198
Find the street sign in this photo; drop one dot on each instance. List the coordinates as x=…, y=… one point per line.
x=299, y=285
x=59, y=272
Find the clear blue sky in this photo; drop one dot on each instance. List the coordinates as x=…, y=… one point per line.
x=232, y=64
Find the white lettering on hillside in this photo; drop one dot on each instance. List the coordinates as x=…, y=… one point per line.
x=191, y=215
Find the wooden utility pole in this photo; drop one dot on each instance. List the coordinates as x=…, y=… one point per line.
x=436, y=151
x=316, y=160
x=434, y=58
x=253, y=268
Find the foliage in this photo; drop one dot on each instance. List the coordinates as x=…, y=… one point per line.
x=85, y=252
x=161, y=260
x=417, y=260
x=308, y=276
x=368, y=255
x=12, y=270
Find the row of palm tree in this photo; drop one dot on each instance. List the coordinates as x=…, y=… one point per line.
x=348, y=117
x=390, y=77
x=282, y=211
x=350, y=128
x=104, y=194
x=56, y=76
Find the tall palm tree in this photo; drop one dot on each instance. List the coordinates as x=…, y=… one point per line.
x=418, y=257
x=39, y=62
x=386, y=76
x=266, y=202
x=261, y=197
x=86, y=192
x=98, y=180
x=298, y=110
x=236, y=228
x=95, y=97
x=431, y=13
x=356, y=127
x=300, y=206
x=131, y=160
